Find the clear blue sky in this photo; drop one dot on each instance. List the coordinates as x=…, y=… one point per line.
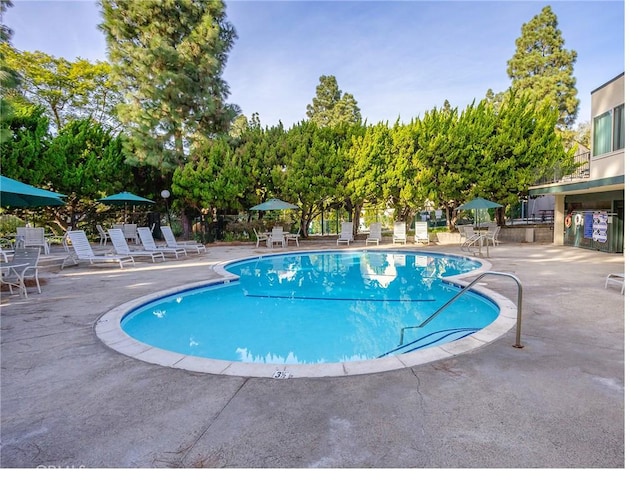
x=397, y=58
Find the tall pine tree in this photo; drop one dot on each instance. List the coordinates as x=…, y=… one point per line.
x=542, y=68
x=330, y=107
x=168, y=57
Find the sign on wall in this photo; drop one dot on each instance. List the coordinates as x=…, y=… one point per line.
x=599, y=228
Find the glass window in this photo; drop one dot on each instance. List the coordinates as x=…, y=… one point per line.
x=602, y=134
x=618, y=127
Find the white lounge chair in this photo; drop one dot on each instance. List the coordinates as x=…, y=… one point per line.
x=422, y=233
x=399, y=233
x=104, y=238
x=24, y=265
x=346, y=233
x=616, y=279
x=121, y=247
x=375, y=234
x=82, y=251
x=149, y=244
x=190, y=246
x=276, y=236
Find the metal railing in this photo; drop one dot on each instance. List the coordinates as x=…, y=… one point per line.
x=581, y=172
x=456, y=296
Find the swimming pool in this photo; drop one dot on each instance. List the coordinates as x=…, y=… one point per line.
x=317, y=309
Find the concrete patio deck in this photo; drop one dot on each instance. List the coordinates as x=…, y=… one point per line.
x=67, y=400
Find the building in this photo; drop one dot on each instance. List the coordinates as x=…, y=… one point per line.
x=589, y=205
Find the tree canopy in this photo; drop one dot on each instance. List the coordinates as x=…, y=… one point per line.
x=168, y=57
x=68, y=90
x=542, y=68
x=330, y=106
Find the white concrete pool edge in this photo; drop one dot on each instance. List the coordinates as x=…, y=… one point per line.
x=109, y=331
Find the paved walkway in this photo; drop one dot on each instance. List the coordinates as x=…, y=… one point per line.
x=69, y=401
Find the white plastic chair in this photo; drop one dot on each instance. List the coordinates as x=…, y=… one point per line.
x=346, y=233
x=23, y=265
x=616, y=279
x=276, y=236
x=32, y=237
x=261, y=237
x=5, y=252
x=131, y=232
x=293, y=237
x=422, y=233
x=492, y=235
x=104, y=238
x=399, y=233
x=375, y=234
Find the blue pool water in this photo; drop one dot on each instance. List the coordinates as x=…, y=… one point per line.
x=316, y=307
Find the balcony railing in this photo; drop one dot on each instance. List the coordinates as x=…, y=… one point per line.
x=582, y=171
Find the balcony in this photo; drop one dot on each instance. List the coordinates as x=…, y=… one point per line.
x=582, y=171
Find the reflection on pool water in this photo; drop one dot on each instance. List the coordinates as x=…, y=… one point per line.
x=315, y=308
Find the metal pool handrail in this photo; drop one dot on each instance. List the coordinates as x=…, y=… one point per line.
x=482, y=275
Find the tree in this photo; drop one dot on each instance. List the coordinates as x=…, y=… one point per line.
x=23, y=150
x=212, y=179
x=525, y=146
x=330, y=107
x=168, y=57
x=68, y=90
x=86, y=160
x=8, y=76
x=543, y=69
x=369, y=157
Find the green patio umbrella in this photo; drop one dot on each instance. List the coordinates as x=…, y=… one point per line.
x=478, y=203
x=125, y=199
x=17, y=194
x=274, y=204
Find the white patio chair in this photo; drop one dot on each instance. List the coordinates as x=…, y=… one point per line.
x=121, y=247
x=422, y=233
x=104, y=238
x=276, y=236
x=82, y=252
x=375, y=234
x=399, y=233
x=32, y=237
x=24, y=265
x=190, y=246
x=492, y=235
x=131, y=232
x=346, y=233
x=261, y=237
x=292, y=237
x=616, y=279
x=5, y=252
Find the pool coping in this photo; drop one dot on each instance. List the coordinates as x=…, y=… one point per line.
x=109, y=331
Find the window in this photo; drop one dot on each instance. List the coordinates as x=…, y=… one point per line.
x=618, y=127
x=608, y=131
x=602, y=134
